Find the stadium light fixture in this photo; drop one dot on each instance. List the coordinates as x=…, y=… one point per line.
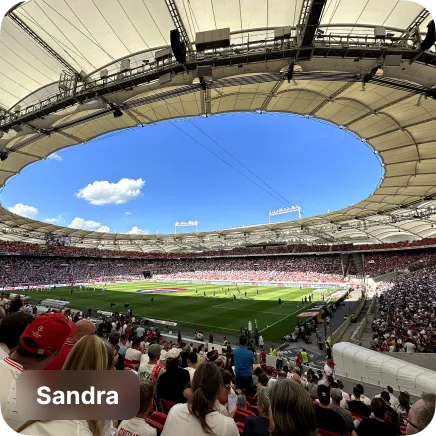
x=284, y=210
x=192, y=223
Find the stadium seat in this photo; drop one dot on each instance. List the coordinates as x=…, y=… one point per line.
x=159, y=427
x=239, y=416
x=322, y=432
x=251, y=400
x=240, y=426
x=357, y=417
x=246, y=411
x=158, y=417
x=166, y=405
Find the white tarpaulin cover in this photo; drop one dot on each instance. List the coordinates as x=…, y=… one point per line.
x=368, y=366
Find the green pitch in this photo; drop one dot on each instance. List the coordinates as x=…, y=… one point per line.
x=220, y=314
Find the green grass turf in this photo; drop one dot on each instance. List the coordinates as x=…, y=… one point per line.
x=220, y=314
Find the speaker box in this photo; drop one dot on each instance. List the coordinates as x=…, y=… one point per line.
x=147, y=274
x=178, y=47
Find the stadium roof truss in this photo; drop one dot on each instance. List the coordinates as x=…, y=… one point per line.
x=72, y=71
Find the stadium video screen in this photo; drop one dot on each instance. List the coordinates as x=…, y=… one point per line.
x=59, y=241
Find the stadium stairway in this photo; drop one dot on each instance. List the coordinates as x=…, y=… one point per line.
x=366, y=338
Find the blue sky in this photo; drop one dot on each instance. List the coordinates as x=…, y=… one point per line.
x=170, y=177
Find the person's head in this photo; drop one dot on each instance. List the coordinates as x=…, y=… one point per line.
x=154, y=353
x=390, y=390
x=13, y=327
x=146, y=390
x=379, y=408
x=226, y=386
x=173, y=359
x=421, y=414
x=340, y=385
x=357, y=393
x=386, y=397
x=404, y=401
x=263, y=379
x=257, y=371
x=361, y=388
x=324, y=394
x=330, y=379
x=291, y=410
x=113, y=339
x=84, y=328
x=243, y=340
x=42, y=340
x=123, y=339
x=136, y=342
x=336, y=395
x=263, y=402
x=315, y=379
x=192, y=360
x=206, y=385
x=90, y=353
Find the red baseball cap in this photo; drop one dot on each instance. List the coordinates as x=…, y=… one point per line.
x=49, y=332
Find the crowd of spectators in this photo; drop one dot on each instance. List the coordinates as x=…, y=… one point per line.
x=17, y=247
x=407, y=321
x=273, y=269
x=41, y=270
x=188, y=390
x=24, y=270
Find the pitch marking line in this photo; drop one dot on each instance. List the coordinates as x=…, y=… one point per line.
x=287, y=316
x=204, y=325
x=246, y=310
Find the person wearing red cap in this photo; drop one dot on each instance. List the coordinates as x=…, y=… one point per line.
x=82, y=328
x=39, y=344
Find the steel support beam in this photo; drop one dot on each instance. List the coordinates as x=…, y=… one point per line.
x=17, y=20
x=308, y=23
x=178, y=22
x=422, y=16
x=271, y=95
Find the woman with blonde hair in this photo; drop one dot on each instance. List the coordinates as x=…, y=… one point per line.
x=89, y=354
x=291, y=410
x=259, y=425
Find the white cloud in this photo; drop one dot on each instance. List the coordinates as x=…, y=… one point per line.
x=137, y=231
x=24, y=210
x=127, y=213
x=81, y=224
x=59, y=219
x=55, y=156
x=104, y=192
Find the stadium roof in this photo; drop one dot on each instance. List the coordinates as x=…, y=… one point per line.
x=74, y=70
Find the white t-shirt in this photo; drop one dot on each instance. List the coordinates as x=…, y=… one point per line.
x=9, y=372
x=133, y=354
x=191, y=372
x=181, y=421
x=327, y=370
x=4, y=351
x=410, y=348
x=64, y=428
x=135, y=427
x=279, y=355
